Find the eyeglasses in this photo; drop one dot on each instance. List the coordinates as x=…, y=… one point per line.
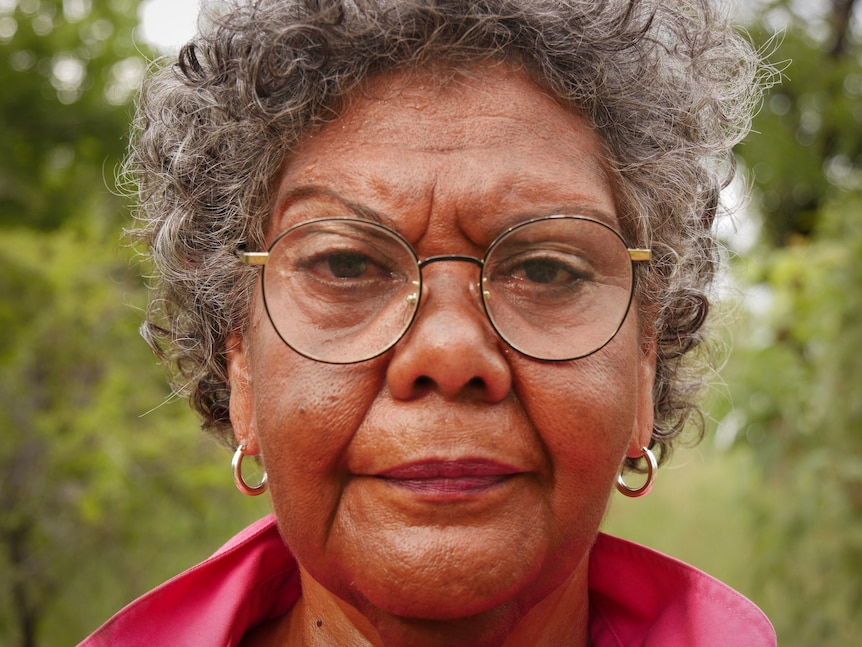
x=345, y=290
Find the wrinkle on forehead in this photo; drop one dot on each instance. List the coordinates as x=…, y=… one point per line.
x=491, y=141
x=429, y=101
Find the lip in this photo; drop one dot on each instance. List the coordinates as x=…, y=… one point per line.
x=451, y=469
x=449, y=478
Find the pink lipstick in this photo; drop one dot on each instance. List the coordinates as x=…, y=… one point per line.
x=449, y=478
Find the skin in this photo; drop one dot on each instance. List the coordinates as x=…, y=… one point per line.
x=449, y=165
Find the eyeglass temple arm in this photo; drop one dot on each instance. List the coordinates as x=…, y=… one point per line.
x=639, y=255
x=253, y=258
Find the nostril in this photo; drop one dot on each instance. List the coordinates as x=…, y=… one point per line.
x=424, y=382
x=477, y=382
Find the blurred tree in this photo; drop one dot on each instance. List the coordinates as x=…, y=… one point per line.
x=89, y=484
x=772, y=501
x=67, y=69
x=99, y=500
x=794, y=383
x=794, y=378
x=809, y=138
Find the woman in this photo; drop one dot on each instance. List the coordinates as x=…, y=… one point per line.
x=438, y=265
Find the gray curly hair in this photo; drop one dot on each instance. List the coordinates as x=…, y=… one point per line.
x=669, y=86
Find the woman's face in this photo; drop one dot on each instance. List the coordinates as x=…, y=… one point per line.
x=451, y=475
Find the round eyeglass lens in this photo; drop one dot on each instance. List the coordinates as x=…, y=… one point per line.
x=341, y=290
x=558, y=288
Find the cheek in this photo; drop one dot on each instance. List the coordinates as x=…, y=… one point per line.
x=584, y=413
x=307, y=409
x=307, y=414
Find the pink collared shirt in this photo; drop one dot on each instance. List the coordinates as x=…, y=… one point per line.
x=637, y=597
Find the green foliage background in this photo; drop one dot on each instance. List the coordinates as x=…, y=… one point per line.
x=107, y=489
x=771, y=502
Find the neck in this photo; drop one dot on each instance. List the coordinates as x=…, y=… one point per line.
x=322, y=619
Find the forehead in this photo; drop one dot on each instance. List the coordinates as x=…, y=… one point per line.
x=483, y=141
x=486, y=105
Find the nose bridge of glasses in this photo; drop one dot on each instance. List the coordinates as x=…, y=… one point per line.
x=458, y=258
x=450, y=257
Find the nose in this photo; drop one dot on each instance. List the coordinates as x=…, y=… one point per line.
x=451, y=348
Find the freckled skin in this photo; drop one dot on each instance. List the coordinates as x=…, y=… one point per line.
x=449, y=166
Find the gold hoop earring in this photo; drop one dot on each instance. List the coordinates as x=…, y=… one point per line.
x=652, y=468
x=236, y=468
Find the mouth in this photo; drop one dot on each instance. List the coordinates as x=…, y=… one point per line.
x=458, y=478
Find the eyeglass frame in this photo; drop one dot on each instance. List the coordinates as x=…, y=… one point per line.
x=636, y=255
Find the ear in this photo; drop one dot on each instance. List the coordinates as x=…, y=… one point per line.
x=642, y=431
x=242, y=410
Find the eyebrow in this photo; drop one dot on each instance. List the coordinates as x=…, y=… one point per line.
x=507, y=220
x=581, y=209
x=299, y=193
x=562, y=209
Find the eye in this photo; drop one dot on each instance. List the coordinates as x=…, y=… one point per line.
x=346, y=265
x=544, y=269
x=547, y=271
